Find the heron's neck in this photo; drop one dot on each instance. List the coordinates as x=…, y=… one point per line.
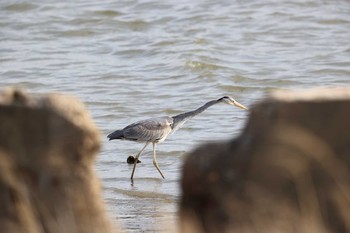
x=180, y=119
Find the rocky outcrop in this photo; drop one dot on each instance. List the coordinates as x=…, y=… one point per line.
x=48, y=145
x=287, y=172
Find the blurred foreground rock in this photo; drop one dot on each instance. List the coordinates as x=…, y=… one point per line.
x=47, y=149
x=287, y=172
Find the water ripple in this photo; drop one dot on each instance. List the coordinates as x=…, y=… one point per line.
x=130, y=60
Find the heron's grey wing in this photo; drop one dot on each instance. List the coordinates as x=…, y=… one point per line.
x=155, y=129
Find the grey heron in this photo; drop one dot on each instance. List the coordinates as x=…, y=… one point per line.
x=156, y=130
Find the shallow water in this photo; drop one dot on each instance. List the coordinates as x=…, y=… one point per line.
x=130, y=60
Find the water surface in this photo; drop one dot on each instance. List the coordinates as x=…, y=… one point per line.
x=131, y=60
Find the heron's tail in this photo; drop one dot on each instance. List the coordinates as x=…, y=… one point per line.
x=118, y=134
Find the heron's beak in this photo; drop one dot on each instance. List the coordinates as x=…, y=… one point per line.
x=239, y=105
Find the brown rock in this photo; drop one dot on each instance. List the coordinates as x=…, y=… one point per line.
x=287, y=172
x=48, y=144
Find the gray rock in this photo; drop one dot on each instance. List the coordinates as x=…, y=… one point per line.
x=287, y=172
x=48, y=145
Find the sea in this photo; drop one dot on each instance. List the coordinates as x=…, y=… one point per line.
x=129, y=60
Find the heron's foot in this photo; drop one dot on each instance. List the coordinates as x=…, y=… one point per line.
x=156, y=165
x=131, y=160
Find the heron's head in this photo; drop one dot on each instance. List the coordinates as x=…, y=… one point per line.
x=229, y=100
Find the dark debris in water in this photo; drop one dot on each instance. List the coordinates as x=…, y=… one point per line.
x=131, y=160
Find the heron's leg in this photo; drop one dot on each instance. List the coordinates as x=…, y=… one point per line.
x=155, y=159
x=136, y=159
